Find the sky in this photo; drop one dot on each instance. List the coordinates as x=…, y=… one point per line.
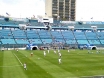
x=22, y=8
x=85, y=9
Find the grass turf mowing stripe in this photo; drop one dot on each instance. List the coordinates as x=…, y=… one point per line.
x=1, y=63
x=33, y=70
x=51, y=68
x=81, y=67
x=78, y=62
x=12, y=72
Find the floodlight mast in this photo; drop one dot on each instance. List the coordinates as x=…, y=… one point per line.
x=71, y=28
x=94, y=28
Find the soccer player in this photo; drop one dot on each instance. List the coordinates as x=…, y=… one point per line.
x=17, y=50
x=58, y=50
x=31, y=54
x=68, y=51
x=88, y=51
x=55, y=51
x=59, y=55
x=25, y=66
x=97, y=52
x=44, y=53
x=59, y=60
x=48, y=51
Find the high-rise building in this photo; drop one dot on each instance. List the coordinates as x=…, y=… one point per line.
x=61, y=9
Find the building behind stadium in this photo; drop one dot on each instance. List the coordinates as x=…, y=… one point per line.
x=61, y=9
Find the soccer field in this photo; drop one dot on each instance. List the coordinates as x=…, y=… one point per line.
x=75, y=64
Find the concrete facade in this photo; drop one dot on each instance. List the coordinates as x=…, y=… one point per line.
x=61, y=9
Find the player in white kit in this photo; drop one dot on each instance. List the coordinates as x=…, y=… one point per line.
x=44, y=53
x=25, y=66
x=68, y=51
x=55, y=51
x=58, y=50
x=48, y=51
x=59, y=55
x=31, y=53
x=59, y=60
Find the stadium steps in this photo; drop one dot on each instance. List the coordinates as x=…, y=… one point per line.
x=39, y=36
x=44, y=34
x=86, y=37
x=31, y=34
x=52, y=36
x=93, y=38
x=19, y=37
x=79, y=35
x=94, y=41
x=91, y=35
x=74, y=37
x=26, y=35
x=1, y=43
x=13, y=36
x=97, y=37
x=63, y=36
x=5, y=33
x=102, y=41
x=57, y=36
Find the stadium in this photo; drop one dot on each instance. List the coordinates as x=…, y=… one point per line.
x=84, y=40
x=18, y=32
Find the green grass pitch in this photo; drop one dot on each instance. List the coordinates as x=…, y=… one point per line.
x=75, y=64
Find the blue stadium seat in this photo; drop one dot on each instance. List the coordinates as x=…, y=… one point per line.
x=22, y=41
x=35, y=41
x=8, y=41
x=94, y=41
x=82, y=42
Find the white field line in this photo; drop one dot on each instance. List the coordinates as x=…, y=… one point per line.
x=18, y=59
x=11, y=66
x=93, y=76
